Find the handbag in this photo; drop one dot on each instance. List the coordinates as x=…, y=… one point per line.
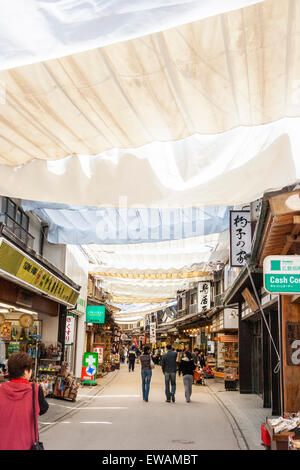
x=37, y=445
x=152, y=366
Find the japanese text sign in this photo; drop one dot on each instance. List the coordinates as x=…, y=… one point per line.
x=70, y=327
x=240, y=237
x=153, y=332
x=203, y=296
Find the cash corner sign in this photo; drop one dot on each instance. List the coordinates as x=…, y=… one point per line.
x=282, y=274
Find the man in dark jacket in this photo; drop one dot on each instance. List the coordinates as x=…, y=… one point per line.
x=169, y=367
x=131, y=358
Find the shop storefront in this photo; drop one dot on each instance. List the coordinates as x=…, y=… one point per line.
x=33, y=307
x=103, y=337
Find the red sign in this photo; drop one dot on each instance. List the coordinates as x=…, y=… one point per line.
x=85, y=376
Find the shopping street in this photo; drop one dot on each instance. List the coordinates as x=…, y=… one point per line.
x=150, y=218
x=214, y=420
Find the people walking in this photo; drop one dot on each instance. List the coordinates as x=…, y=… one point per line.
x=169, y=366
x=146, y=371
x=131, y=359
x=202, y=360
x=16, y=405
x=187, y=367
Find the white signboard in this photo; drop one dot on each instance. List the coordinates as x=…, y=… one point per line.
x=70, y=327
x=203, y=296
x=240, y=237
x=153, y=333
x=231, y=318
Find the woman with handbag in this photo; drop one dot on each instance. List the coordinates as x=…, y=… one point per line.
x=20, y=405
x=147, y=365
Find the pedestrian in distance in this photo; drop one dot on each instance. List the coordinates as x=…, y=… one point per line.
x=131, y=359
x=202, y=360
x=17, y=429
x=169, y=367
x=146, y=371
x=187, y=367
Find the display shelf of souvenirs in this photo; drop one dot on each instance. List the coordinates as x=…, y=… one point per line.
x=115, y=361
x=284, y=431
x=65, y=386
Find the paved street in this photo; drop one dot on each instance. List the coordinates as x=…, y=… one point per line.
x=118, y=418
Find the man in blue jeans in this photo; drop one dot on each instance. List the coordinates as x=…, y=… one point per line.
x=169, y=367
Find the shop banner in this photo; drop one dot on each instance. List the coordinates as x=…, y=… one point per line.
x=95, y=314
x=100, y=351
x=70, y=329
x=152, y=332
x=23, y=268
x=203, y=296
x=240, y=237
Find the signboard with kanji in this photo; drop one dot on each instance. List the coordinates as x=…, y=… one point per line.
x=203, y=296
x=20, y=266
x=153, y=332
x=240, y=237
x=282, y=274
x=70, y=327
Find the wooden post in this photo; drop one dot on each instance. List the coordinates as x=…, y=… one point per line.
x=245, y=354
x=290, y=353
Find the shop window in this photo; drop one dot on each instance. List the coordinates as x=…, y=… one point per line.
x=17, y=221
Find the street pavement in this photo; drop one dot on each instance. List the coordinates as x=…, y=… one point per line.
x=114, y=416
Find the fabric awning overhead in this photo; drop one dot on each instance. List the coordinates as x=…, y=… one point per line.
x=140, y=106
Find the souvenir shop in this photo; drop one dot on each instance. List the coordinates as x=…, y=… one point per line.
x=33, y=307
x=103, y=336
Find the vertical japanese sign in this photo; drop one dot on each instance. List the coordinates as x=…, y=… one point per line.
x=203, y=296
x=240, y=237
x=153, y=332
x=70, y=328
x=99, y=350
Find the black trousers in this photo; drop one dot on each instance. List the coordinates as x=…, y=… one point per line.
x=131, y=365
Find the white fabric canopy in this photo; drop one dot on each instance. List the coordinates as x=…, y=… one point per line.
x=197, y=171
x=38, y=30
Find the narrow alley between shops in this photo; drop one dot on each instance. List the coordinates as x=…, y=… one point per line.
x=118, y=418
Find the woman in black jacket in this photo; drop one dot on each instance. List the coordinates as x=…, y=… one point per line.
x=187, y=367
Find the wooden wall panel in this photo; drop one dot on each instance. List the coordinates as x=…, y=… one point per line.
x=291, y=374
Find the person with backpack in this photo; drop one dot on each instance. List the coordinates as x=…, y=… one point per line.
x=187, y=366
x=131, y=359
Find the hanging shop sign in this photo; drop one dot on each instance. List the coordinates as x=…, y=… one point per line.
x=21, y=267
x=153, y=332
x=282, y=274
x=95, y=314
x=203, y=296
x=240, y=237
x=90, y=366
x=70, y=328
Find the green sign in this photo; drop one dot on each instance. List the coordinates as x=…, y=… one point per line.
x=282, y=274
x=95, y=314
